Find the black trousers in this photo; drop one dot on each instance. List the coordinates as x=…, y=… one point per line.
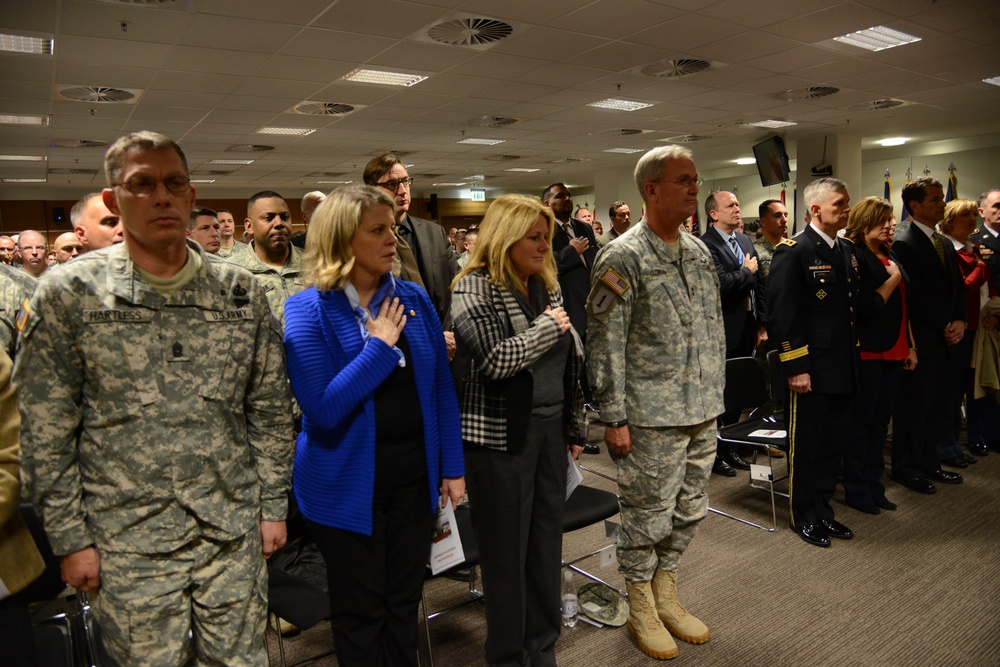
x=375, y=581
x=818, y=426
x=922, y=412
x=517, y=505
x=864, y=463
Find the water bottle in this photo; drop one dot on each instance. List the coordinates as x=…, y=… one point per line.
x=570, y=603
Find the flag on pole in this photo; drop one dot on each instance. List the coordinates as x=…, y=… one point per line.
x=887, y=191
x=782, y=193
x=952, y=187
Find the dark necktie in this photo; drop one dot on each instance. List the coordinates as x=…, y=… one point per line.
x=939, y=247
x=405, y=255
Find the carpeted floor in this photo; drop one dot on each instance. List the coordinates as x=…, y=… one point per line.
x=918, y=586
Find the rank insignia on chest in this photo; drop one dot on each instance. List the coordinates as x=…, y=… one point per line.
x=985, y=251
x=821, y=294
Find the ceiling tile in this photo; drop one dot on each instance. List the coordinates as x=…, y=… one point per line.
x=237, y=34
x=217, y=61
x=615, y=19
x=685, y=32
x=336, y=45
x=396, y=18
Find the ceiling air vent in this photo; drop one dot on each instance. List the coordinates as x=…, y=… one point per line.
x=494, y=121
x=325, y=174
x=809, y=93
x=211, y=172
x=470, y=32
x=502, y=158
x=567, y=160
x=98, y=94
x=250, y=148
x=322, y=108
x=429, y=176
x=685, y=138
x=622, y=132
x=880, y=105
x=676, y=69
x=78, y=143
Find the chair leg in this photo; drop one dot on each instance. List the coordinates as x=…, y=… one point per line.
x=427, y=627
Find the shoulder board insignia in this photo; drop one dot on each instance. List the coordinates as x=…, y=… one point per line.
x=788, y=242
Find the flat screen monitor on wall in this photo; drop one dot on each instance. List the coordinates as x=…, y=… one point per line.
x=772, y=161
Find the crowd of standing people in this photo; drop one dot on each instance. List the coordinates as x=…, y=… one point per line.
x=183, y=393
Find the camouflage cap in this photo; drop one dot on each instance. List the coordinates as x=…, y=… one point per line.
x=603, y=604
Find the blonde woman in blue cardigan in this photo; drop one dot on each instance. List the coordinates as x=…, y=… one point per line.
x=380, y=441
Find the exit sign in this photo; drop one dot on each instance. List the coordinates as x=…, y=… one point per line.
x=478, y=194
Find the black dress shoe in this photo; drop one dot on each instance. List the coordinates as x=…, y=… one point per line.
x=954, y=462
x=591, y=448
x=918, y=484
x=834, y=528
x=866, y=506
x=968, y=458
x=945, y=477
x=720, y=467
x=734, y=459
x=813, y=534
x=979, y=448
x=885, y=503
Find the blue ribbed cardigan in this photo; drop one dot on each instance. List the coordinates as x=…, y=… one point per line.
x=334, y=376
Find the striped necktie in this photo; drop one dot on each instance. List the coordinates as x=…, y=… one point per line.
x=939, y=247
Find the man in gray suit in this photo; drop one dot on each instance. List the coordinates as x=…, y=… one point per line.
x=424, y=250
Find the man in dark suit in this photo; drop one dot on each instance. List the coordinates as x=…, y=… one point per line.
x=575, y=250
x=743, y=299
x=812, y=293
x=424, y=251
x=937, y=310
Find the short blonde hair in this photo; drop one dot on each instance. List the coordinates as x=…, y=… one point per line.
x=865, y=216
x=328, y=257
x=507, y=221
x=955, y=208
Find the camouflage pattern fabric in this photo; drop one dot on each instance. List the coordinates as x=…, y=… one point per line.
x=765, y=251
x=224, y=583
x=16, y=286
x=148, y=422
x=278, y=283
x=238, y=247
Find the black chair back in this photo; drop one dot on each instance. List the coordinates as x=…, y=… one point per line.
x=745, y=386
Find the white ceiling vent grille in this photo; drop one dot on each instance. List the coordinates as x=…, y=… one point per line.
x=880, y=105
x=494, y=121
x=79, y=143
x=250, y=148
x=98, y=94
x=311, y=108
x=477, y=32
x=809, y=93
x=676, y=69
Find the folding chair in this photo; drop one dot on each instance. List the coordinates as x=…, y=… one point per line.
x=747, y=389
x=585, y=507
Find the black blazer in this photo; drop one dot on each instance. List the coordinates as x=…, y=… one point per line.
x=935, y=293
x=574, y=275
x=437, y=262
x=736, y=284
x=878, y=320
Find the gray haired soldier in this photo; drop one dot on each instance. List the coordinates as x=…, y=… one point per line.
x=157, y=435
x=656, y=358
x=272, y=258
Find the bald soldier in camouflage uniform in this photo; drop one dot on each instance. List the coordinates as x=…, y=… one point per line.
x=656, y=356
x=271, y=257
x=156, y=439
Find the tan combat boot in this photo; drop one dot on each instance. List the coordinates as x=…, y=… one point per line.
x=680, y=623
x=653, y=638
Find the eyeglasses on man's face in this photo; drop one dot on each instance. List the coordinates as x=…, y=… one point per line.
x=684, y=182
x=143, y=186
x=394, y=184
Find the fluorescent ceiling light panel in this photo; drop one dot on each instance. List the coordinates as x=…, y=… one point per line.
x=203, y=180
x=292, y=131
x=772, y=124
x=877, y=38
x=22, y=158
x=11, y=119
x=449, y=185
x=480, y=142
x=522, y=170
x=227, y=161
x=335, y=182
x=894, y=141
x=383, y=78
x=41, y=46
x=745, y=160
x=22, y=180
x=623, y=150
x=995, y=81
x=619, y=105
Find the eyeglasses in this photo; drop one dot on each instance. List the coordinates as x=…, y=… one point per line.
x=685, y=182
x=142, y=186
x=394, y=184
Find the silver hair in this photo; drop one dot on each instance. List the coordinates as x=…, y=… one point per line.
x=651, y=164
x=821, y=190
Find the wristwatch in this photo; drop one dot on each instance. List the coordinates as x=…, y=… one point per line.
x=617, y=424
